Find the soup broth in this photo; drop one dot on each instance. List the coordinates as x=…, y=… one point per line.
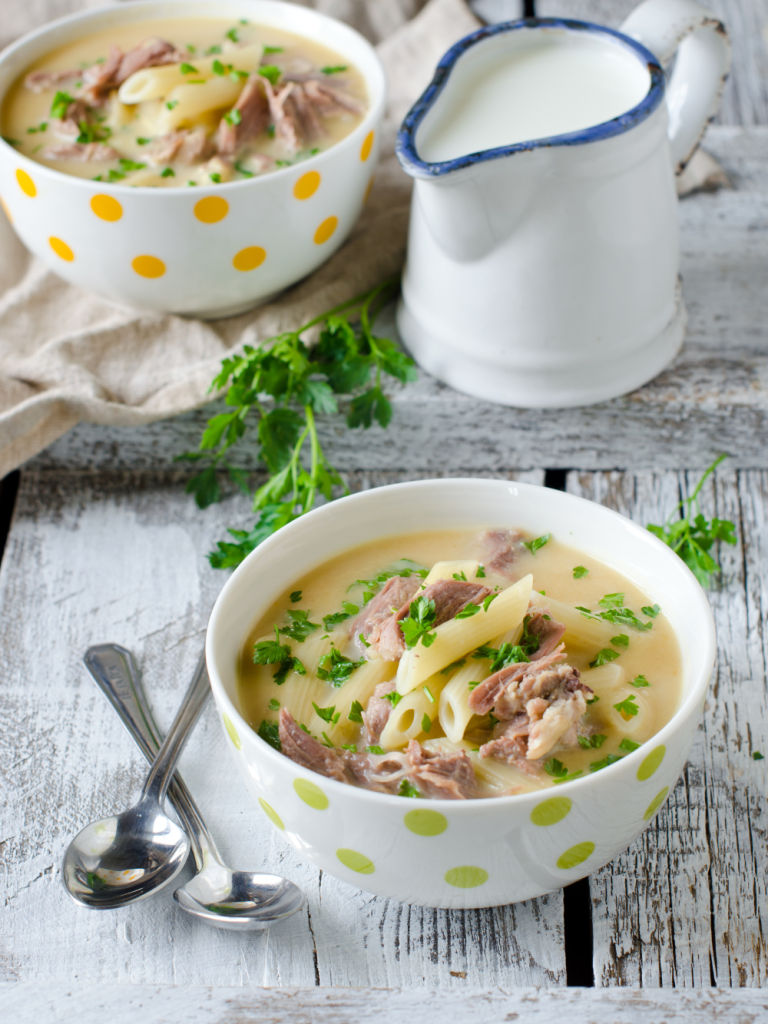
x=460, y=664
x=183, y=102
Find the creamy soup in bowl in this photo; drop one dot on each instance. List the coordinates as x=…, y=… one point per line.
x=528, y=741
x=188, y=157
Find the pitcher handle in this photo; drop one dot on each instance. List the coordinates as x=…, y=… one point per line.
x=699, y=38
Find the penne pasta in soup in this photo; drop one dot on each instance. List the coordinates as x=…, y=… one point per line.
x=460, y=665
x=183, y=102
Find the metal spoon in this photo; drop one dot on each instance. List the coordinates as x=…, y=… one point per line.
x=238, y=900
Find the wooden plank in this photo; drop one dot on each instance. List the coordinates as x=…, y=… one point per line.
x=713, y=398
x=121, y=558
x=685, y=905
x=46, y=1004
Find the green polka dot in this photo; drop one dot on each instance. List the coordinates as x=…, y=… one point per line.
x=232, y=731
x=356, y=861
x=311, y=794
x=466, y=877
x=575, y=856
x=656, y=803
x=551, y=811
x=426, y=823
x=272, y=814
x=651, y=763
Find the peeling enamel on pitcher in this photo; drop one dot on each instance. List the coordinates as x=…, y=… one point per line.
x=543, y=254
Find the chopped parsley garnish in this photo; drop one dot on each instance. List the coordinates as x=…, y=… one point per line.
x=609, y=759
x=650, y=610
x=233, y=117
x=507, y=654
x=612, y=601
x=329, y=715
x=454, y=665
x=757, y=756
x=558, y=771
x=40, y=128
x=480, y=574
x=335, y=669
x=428, y=694
x=295, y=596
x=622, y=640
x=272, y=652
x=534, y=545
x=270, y=733
x=627, y=708
x=300, y=627
x=60, y=105
x=233, y=35
x=426, y=723
x=326, y=740
x=421, y=617
x=406, y=789
x=218, y=68
x=273, y=49
x=191, y=49
x=237, y=75
x=212, y=50
x=624, y=617
x=469, y=611
x=115, y=175
x=11, y=142
x=334, y=69
x=244, y=21
x=215, y=177
x=473, y=685
x=639, y=681
x=529, y=641
x=579, y=572
x=171, y=104
x=355, y=712
x=460, y=576
x=270, y=71
x=348, y=610
x=143, y=142
x=187, y=69
x=628, y=745
x=243, y=170
x=351, y=747
x=488, y=600
x=393, y=697
x=193, y=183
x=592, y=742
x=375, y=749
x=274, y=705
x=271, y=131
x=603, y=657
x=593, y=699
x=372, y=585
x=363, y=641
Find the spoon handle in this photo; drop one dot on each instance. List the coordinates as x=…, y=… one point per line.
x=117, y=676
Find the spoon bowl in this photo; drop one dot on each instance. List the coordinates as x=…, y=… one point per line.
x=124, y=858
x=239, y=900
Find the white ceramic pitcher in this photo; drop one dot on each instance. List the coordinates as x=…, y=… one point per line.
x=545, y=273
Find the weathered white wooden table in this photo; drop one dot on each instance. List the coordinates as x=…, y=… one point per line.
x=104, y=545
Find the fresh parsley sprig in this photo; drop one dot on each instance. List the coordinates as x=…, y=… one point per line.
x=420, y=620
x=692, y=535
x=277, y=389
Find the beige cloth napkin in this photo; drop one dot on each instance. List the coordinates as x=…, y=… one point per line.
x=67, y=356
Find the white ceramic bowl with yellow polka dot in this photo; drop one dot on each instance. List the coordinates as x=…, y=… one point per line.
x=210, y=251
x=473, y=853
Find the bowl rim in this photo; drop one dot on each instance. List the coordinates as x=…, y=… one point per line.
x=373, y=73
x=632, y=760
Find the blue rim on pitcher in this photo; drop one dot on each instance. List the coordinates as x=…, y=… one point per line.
x=405, y=146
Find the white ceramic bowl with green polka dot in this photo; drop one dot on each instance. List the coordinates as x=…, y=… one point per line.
x=210, y=251
x=473, y=853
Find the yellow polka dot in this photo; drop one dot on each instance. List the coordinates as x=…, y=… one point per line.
x=211, y=209
x=311, y=794
x=656, y=803
x=356, y=861
x=367, y=146
x=148, y=266
x=549, y=812
x=26, y=184
x=61, y=249
x=368, y=188
x=325, y=230
x=651, y=763
x=106, y=207
x=426, y=823
x=466, y=877
x=272, y=814
x=232, y=731
x=307, y=185
x=575, y=856
x=250, y=258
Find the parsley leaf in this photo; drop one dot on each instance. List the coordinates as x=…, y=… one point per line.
x=470, y=610
x=351, y=747
x=460, y=576
x=233, y=35
x=60, y=105
x=628, y=745
x=327, y=714
x=612, y=601
x=579, y=572
x=272, y=652
x=171, y=104
x=233, y=117
x=167, y=172
x=480, y=574
x=558, y=771
x=603, y=657
x=488, y=600
x=627, y=708
x=187, y=69
x=335, y=669
x=650, y=610
x=428, y=694
x=421, y=617
x=534, y=545
x=393, y=697
x=332, y=70
x=609, y=759
x=593, y=699
x=426, y=723
x=592, y=742
x=270, y=732
x=274, y=705
x=375, y=749
x=757, y=756
x=507, y=654
x=355, y=712
x=243, y=170
x=622, y=640
x=300, y=627
x=454, y=665
x=295, y=596
x=273, y=49
x=406, y=789
x=270, y=71
x=639, y=681
x=348, y=609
